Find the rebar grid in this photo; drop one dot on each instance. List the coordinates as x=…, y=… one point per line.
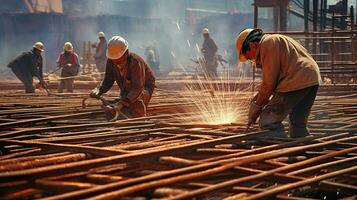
x=54, y=149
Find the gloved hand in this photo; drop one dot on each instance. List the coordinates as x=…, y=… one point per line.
x=254, y=112
x=112, y=111
x=95, y=93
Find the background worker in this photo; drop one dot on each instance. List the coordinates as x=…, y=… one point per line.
x=209, y=50
x=27, y=65
x=69, y=62
x=152, y=61
x=133, y=76
x=100, y=49
x=289, y=73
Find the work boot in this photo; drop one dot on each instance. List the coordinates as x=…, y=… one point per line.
x=276, y=133
x=295, y=132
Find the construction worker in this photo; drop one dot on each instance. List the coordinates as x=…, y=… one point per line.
x=133, y=76
x=100, y=49
x=152, y=61
x=27, y=65
x=69, y=62
x=289, y=73
x=209, y=50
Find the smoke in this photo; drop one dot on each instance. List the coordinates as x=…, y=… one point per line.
x=169, y=25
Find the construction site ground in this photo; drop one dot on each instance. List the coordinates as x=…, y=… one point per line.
x=53, y=148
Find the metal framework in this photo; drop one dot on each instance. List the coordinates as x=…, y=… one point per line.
x=51, y=148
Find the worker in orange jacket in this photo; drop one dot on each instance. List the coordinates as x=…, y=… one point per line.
x=289, y=74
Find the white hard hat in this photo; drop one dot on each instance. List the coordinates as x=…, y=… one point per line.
x=205, y=31
x=101, y=34
x=38, y=46
x=240, y=40
x=68, y=47
x=117, y=46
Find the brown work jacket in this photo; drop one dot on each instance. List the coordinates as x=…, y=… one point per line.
x=137, y=76
x=286, y=66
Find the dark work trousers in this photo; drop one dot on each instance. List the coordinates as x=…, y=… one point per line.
x=26, y=78
x=297, y=104
x=211, y=67
x=66, y=84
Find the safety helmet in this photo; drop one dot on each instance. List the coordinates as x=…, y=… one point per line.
x=39, y=46
x=240, y=41
x=117, y=46
x=101, y=34
x=68, y=47
x=205, y=31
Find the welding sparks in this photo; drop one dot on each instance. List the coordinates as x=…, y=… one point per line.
x=188, y=43
x=217, y=101
x=178, y=26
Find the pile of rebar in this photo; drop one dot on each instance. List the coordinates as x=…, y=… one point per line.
x=52, y=148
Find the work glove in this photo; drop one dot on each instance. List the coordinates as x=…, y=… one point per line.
x=95, y=93
x=112, y=111
x=254, y=112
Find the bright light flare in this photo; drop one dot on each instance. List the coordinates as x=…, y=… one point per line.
x=223, y=100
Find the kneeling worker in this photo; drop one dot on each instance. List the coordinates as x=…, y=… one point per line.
x=289, y=73
x=133, y=76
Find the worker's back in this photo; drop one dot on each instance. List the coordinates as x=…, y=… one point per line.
x=287, y=66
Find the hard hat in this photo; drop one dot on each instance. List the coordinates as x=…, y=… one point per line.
x=38, y=46
x=239, y=42
x=205, y=31
x=117, y=46
x=101, y=34
x=68, y=47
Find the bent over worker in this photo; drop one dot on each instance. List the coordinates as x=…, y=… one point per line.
x=133, y=76
x=27, y=65
x=69, y=62
x=289, y=73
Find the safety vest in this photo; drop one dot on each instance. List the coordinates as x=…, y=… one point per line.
x=73, y=59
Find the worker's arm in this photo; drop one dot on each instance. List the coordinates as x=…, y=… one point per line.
x=270, y=60
x=109, y=78
x=137, y=75
x=37, y=68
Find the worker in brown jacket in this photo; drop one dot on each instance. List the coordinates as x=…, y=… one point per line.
x=289, y=73
x=133, y=76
